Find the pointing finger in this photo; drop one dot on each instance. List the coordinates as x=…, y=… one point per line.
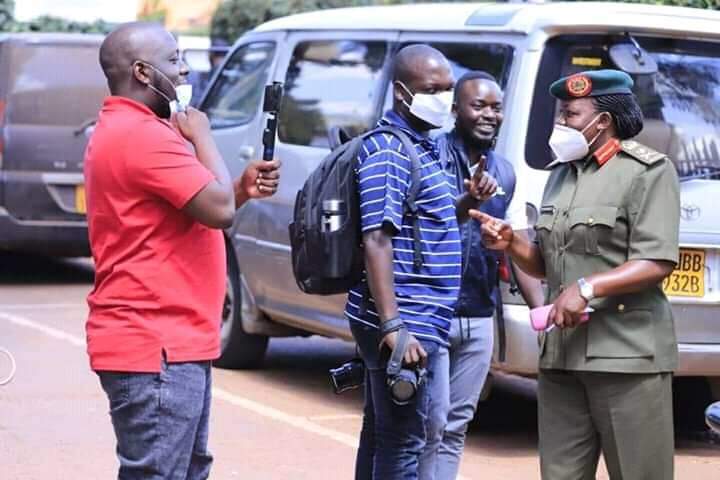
x=481, y=217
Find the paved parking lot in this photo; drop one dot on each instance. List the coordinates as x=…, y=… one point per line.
x=280, y=422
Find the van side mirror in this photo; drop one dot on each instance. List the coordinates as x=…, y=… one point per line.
x=632, y=58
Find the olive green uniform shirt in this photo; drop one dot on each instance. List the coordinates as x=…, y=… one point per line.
x=593, y=219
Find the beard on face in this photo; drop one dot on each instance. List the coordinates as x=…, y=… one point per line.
x=160, y=106
x=471, y=135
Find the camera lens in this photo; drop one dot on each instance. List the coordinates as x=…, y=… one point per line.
x=403, y=386
x=402, y=391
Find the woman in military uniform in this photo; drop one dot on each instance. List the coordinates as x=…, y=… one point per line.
x=607, y=236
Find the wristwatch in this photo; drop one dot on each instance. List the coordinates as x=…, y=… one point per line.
x=586, y=289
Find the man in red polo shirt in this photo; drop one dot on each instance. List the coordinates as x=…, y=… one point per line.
x=156, y=208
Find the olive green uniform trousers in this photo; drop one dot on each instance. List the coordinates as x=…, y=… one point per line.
x=627, y=416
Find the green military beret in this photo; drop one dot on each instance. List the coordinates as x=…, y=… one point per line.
x=592, y=83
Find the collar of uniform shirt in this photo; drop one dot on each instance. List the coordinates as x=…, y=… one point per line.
x=607, y=151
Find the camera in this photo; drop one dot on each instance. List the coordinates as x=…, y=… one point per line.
x=347, y=376
x=404, y=384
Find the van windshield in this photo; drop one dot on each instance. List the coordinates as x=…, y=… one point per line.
x=53, y=84
x=680, y=103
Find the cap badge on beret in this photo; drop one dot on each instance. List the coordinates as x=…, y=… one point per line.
x=578, y=85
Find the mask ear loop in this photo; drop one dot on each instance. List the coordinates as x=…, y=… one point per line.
x=591, y=142
x=412, y=96
x=151, y=86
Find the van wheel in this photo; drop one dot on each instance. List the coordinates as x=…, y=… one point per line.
x=239, y=349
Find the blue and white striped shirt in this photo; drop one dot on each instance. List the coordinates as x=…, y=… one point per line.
x=426, y=298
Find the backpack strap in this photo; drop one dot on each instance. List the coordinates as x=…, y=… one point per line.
x=414, y=189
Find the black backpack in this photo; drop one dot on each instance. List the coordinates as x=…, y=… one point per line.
x=325, y=235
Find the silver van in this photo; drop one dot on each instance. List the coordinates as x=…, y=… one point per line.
x=51, y=89
x=335, y=66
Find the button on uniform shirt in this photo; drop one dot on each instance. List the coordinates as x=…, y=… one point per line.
x=160, y=275
x=426, y=298
x=596, y=214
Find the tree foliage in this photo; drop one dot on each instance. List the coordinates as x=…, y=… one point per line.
x=7, y=9
x=46, y=23
x=707, y=4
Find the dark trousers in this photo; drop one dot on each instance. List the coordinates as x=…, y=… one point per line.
x=161, y=421
x=392, y=436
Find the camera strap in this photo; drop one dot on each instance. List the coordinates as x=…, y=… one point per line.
x=396, y=357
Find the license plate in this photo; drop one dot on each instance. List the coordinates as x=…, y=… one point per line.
x=80, y=205
x=688, y=278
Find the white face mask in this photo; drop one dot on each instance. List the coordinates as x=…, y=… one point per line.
x=432, y=108
x=183, y=93
x=568, y=144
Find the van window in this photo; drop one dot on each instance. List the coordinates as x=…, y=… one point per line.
x=331, y=84
x=493, y=58
x=680, y=103
x=54, y=84
x=235, y=96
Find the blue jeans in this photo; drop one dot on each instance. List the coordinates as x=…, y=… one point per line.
x=451, y=410
x=392, y=436
x=161, y=421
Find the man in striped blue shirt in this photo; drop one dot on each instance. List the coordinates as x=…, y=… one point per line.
x=394, y=294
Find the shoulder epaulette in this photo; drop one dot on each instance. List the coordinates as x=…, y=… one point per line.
x=641, y=153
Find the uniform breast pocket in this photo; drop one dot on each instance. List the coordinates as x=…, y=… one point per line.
x=591, y=228
x=545, y=223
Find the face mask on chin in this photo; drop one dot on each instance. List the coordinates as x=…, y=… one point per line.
x=568, y=144
x=433, y=109
x=183, y=92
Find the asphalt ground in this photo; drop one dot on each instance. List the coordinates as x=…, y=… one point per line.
x=278, y=422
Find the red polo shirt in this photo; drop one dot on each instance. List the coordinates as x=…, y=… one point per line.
x=160, y=275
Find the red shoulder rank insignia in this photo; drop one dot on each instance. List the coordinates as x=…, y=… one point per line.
x=578, y=85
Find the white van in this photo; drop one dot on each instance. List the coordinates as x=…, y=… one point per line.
x=335, y=67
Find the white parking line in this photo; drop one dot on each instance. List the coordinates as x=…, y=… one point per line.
x=303, y=423
x=50, y=331
x=35, y=306
x=336, y=417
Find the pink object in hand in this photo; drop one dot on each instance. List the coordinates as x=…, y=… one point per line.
x=539, y=317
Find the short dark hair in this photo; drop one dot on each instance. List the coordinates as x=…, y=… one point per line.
x=625, y=111
x=472, y=75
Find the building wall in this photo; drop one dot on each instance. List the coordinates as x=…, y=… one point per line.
x=181, y=14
